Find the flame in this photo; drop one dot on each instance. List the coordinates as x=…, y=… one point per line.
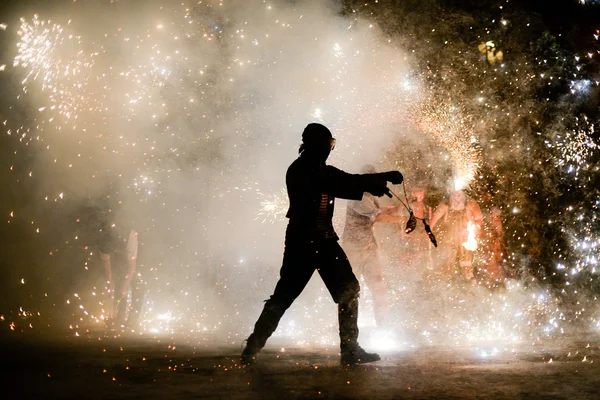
x=471, y=243
x=459, y=183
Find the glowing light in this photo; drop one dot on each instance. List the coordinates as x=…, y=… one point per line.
x=383, y=340
x=471, y=243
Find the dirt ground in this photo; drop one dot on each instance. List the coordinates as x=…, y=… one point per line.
x=100, y=367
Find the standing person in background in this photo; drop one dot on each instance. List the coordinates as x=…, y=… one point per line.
x=360, y=245
x=493, y=251
x=118, y=245
x=416, y=245
x=312, y=244
x=454, y=217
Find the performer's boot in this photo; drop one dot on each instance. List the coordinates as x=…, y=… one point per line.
x=263, y=329
x=351, y=352
x=250, y=350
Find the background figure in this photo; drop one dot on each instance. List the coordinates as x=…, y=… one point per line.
x=358, y=241
x=416, y=246
x=118, y=245
x=452, y=218
x=492, y=251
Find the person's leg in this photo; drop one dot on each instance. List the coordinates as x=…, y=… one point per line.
x=495, y=264
x=336, y=272
x=122, y=295
x=374, y=280
x=137, y=297
x=355, y=258
x=296, y=270
x=121, y=305
x=465, y=262
x=110, y=287
x=455, y=241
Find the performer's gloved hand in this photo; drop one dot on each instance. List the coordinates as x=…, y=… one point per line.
x=379, y=189
x=394, y=177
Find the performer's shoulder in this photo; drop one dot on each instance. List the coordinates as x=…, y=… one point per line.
x=295, y=165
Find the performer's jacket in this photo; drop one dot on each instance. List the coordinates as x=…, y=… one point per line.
x=312, y=188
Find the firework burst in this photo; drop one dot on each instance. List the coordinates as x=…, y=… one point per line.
x=449, y=128
x=56, y=60
x=273, y=207
x=576, y=145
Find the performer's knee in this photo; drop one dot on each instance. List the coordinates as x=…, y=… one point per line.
x=350, y=294
x=278, y=304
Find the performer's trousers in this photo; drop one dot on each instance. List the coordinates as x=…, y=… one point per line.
x=300, y=260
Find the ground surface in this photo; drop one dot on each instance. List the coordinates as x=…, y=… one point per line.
x=96, y=367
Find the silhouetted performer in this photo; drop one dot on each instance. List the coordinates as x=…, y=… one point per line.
x=312, y=244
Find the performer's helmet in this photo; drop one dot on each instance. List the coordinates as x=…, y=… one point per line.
x=317, y=135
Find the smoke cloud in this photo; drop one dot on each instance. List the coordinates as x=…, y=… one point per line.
x=183, y=118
